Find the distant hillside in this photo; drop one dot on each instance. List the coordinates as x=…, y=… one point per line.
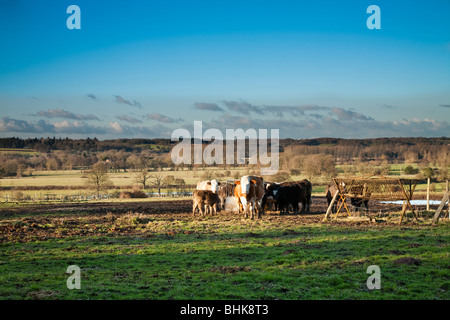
x=88, y=144
x=165, y=145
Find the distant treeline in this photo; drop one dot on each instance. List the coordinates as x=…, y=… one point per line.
x=88, y=144
x=313, y=156
x=413, y=150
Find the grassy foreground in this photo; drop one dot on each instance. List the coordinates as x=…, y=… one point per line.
x=175, y=256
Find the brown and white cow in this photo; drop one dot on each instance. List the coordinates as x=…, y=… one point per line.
x=248, y=193
x=205, y=199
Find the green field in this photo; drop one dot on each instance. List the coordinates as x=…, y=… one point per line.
x=175, y=256
x=154, y=249
x=23, y=152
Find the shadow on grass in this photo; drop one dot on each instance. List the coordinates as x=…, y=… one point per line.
x=313, y=262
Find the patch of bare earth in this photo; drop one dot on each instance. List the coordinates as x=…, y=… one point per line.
x=145, y=219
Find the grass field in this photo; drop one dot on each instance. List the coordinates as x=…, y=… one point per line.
x=13, y=151
x=157, y=250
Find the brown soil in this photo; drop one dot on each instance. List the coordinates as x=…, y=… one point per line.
x=148, y=219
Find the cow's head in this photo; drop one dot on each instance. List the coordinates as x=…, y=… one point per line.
x=214, y=185
x=271, y=189
x=245, y=184
x=342, y=186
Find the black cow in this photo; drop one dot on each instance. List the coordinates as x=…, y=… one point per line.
x=270, y=192
x=269, y=195
x=290, y=195
x=303, y=187
x=307, y=189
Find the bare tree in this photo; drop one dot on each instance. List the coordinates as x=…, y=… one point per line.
x=158, y=181
x=98, y=177
x=316, y=165
x=143, y=176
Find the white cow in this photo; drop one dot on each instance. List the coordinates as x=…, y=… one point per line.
x=212, y=185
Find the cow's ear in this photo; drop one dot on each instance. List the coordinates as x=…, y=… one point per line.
x=237, y=182
x=253, y=181
x=208, y=183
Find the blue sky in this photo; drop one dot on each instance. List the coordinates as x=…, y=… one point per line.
x=145, y=68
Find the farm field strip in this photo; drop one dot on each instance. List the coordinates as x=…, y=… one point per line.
x=157, y=250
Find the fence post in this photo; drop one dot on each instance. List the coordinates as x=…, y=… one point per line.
x=330, y=207
x=428, y=194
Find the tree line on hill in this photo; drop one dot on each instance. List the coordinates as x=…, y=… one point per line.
x=88, y=145
x=309, y=156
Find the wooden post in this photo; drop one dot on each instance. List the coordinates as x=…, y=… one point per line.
x=445, y=198
x=428, y=194
x=448, y=199
x=403, y=211
x=330, y=207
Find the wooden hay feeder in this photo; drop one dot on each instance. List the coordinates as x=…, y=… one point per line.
x=373, y=188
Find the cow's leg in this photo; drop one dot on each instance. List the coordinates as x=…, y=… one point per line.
x=260, y=209
x=253, y=208
x=194, y=206
x=239, y=204
x=263, y=203
x=245, y=206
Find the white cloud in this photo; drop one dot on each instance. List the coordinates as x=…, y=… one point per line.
x=116, y=127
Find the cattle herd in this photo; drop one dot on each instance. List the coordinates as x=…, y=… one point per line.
x=252, y=194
